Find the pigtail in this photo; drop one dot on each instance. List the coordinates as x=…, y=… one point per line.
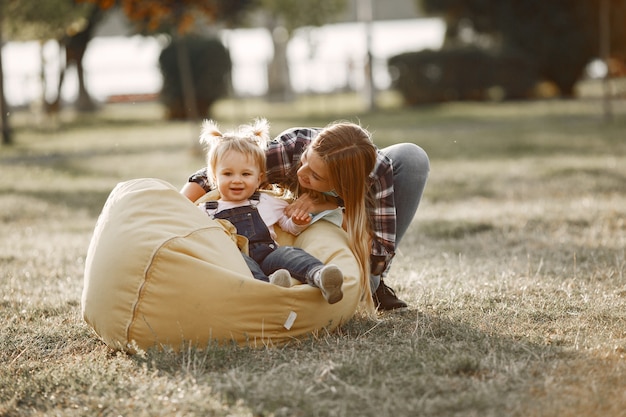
x=259, y=131
x=210, y=133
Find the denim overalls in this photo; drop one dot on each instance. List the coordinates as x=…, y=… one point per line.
x=266, y=256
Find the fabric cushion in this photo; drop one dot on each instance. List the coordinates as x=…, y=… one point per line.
x=159, y=272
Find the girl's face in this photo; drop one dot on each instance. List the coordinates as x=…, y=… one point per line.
x=237, y=176
x=313, y=174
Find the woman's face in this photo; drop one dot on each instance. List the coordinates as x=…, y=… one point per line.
x=313, y=174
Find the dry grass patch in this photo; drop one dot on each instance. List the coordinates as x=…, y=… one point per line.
x=513, y=269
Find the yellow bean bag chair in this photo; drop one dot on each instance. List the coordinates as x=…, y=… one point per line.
x=159, y=272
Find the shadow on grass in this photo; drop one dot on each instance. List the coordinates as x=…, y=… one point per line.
x=442, y=229
x=409, y=361
x=62, y=159
x=91, y=201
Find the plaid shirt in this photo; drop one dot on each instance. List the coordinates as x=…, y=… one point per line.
x=283, y=160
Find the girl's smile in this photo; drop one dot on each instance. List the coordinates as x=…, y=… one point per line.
x=237, y=176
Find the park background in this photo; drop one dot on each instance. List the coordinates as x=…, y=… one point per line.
x=513, y=267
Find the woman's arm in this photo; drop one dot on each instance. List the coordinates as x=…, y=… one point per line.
x=382, y=215
x=197, y=185
x=193, y=191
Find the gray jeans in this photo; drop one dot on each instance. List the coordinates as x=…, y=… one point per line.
x=410, y=172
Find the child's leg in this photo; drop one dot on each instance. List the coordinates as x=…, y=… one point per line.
x=307, y=269
x=330, y=280
x=281, y=277
x=301, y=264
x=255, y=268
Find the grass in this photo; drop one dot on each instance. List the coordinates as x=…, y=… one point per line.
x=514, y=269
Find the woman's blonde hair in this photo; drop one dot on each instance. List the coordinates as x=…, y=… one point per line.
x=350, y=156
x=249, y=140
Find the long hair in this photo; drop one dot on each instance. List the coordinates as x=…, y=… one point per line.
x=250, y=140
x=350, y=156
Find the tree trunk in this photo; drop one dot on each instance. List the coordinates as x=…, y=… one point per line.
x=278, y=80
x=4, y=111
x=75, y=47
x=186, y=79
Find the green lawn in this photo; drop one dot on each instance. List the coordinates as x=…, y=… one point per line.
x=514, y=269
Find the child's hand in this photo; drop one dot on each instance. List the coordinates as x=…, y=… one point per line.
x=304, y=204
x=301, y=217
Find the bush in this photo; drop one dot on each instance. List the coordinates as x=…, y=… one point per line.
x=461, y=74
x=210, y=67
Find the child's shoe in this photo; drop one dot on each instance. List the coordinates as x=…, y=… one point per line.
x=281, y=277
x=330, y=282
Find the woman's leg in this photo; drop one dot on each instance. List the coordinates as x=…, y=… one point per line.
x=411, y=167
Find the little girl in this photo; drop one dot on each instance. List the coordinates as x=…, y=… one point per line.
x=236, y=167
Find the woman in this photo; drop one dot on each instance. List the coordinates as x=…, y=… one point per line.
x=380, y=204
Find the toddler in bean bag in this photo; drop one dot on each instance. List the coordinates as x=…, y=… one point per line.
x=161, y=273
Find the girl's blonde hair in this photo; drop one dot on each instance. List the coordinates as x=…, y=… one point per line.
x=350, y=156
x=249, y=140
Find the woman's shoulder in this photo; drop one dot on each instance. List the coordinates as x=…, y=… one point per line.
x=296, y=134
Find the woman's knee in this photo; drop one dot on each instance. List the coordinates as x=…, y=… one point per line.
x=408, y=158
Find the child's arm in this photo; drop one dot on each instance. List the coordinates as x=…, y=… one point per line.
x=306, y=204
x=272, y=211
x=294, y=226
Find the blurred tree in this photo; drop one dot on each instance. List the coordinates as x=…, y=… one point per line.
x=560, y=36
x=65, y=21
x=177, y=17
x=28, y=20
x=283, y=17
x=153, y=16
x=209, y=65
x=5, y=128
x=35, y=19
x=75, y=43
